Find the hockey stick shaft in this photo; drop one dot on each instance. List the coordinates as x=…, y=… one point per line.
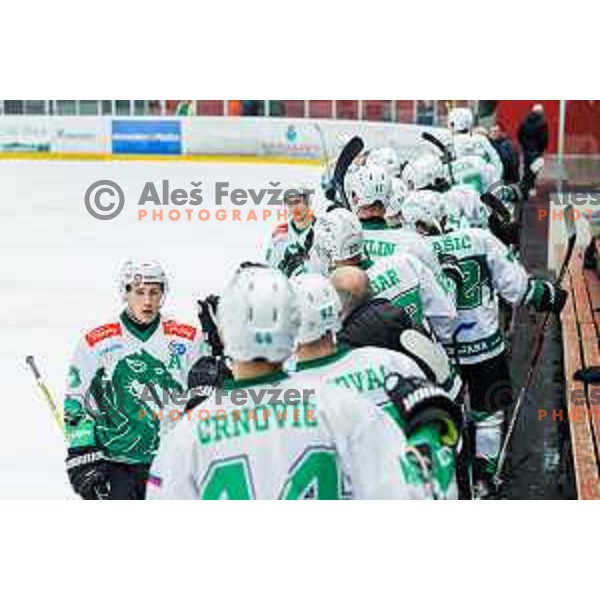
x=533, y=366
x=349, y=152
x=46, y=394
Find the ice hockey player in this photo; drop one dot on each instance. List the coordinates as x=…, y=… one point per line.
x=365, y=370
x=490, y=271
x=466, y=142
x=291, y=241
x=125, y=387
x=402, y=278
x=369, y=189
x=370, y=321
x=270, y=436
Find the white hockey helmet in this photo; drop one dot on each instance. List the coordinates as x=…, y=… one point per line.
x=386, y=158
x=367, y=185
x=397, y=197
x=460, y=120
x=258, y=316
x=320, y=307
x=338, y=236
x=422, y=207
x=299, y=189
x=424, y=170
x=136, y=272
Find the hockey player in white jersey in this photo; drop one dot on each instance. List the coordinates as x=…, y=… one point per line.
x=365, y=370
x=369, y=189
x=123, y=386
x=291, y=241
x=466, y=142
x=490, y=271
x=269, y=435
x=402, y=278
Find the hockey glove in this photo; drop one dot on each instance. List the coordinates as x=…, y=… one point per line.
x=208, y=373
x=423, y=405
x=88, y=472
x=207, y=315
x=545, y=296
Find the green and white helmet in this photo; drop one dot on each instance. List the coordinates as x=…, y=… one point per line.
x=258, y=316
x=397, y=197
x=320, y=307
x=367, y=185
x=460, y=120
x=423, y=208
x=136, y=272
x=422, y=171
x=338, y=237
x=386, y=158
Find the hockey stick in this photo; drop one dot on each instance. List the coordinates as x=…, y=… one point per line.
x=324, y=147
x=101, y=493
x=56, y=413
x=538, y=345
x=349, y=152
x=443, y=148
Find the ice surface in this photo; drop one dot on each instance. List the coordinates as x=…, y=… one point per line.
x=58, y=277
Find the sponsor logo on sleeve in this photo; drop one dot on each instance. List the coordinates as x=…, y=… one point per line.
x=102, y=333
x=179, y=329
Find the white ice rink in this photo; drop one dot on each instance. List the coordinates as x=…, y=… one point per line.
x=58, y=277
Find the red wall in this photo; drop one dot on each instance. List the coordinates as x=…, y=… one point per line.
x=511, y=112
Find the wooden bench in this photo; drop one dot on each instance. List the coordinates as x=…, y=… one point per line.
x=580, y=321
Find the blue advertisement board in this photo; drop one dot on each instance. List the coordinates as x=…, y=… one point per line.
x=146, y=136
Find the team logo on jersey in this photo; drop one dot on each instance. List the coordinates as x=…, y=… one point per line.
x=177, y=348
x=179, y=329
x=102, y=333
x=74, y=377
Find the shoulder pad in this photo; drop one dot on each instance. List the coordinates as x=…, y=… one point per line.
x=182, y=330
x=103, y=332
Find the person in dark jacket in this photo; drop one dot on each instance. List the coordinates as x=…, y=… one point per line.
x=533, y=137
x=509, y=155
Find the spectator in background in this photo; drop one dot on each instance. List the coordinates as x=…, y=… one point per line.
x=509, y=155
x=533, y=137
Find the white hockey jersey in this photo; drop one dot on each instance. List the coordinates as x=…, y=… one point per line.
x=364, y=370
x=276, y=437
x=288, y=240
x=475, y=144
x=463, y=208
x=381, y=241
x=407, y=282
x=489, y=268
x=123, y=383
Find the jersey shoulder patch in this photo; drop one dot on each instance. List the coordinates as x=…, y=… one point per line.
x=171, y=327
x=280, y=230
x=102, y=333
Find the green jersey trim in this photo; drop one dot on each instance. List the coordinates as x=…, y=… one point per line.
x=478, y=347
x=141, y=332
x=313, y=363
x=374, y=225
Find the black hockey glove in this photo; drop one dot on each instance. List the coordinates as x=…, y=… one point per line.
x=88, y=472
x=207, y=315
x=423, y=405
x=208, y=373
x=293, y=262
x=545, y=296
